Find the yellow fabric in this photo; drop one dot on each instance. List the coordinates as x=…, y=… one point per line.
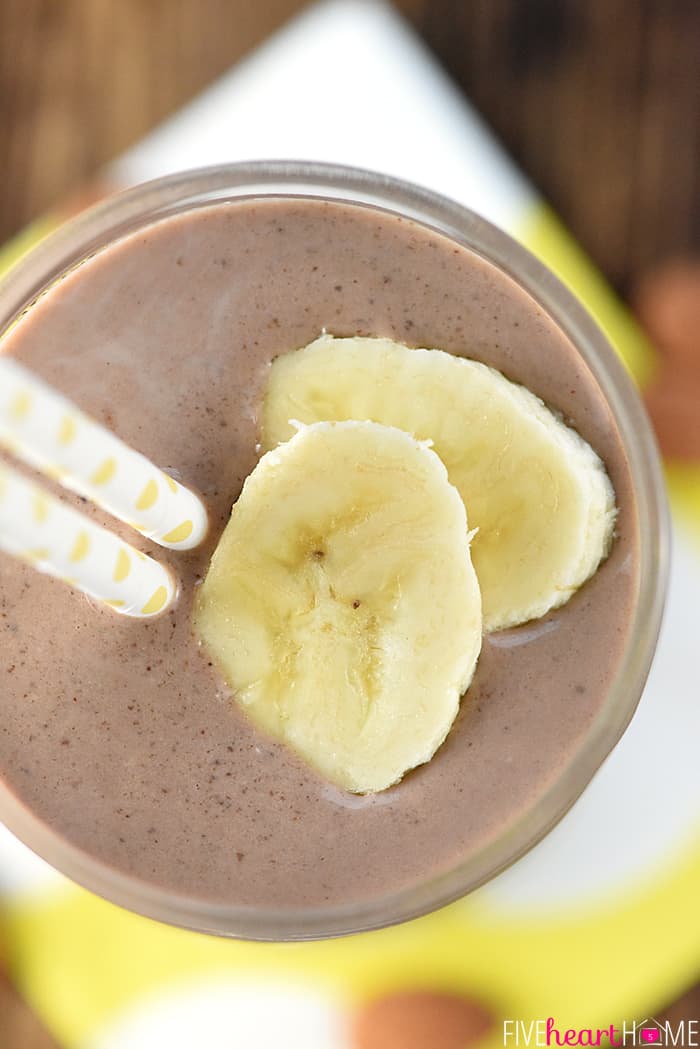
x=20, y=245
x=81, y=960
x=546, y=237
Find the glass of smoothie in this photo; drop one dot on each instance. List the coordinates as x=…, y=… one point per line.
x=124, y=759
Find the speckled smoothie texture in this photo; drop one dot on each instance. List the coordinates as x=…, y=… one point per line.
x=118, y=733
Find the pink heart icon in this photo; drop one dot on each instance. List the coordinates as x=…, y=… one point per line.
x=650, y=1034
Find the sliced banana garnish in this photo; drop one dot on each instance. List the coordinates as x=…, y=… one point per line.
x=341, y=604
x=536, y=492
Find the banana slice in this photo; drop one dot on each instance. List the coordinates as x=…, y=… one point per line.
x=537, y=494
x=341, y=603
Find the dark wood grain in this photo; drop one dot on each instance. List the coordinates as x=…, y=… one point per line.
x=80, y=80
x=599, y=101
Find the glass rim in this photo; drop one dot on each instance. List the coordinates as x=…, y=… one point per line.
x=120, y=214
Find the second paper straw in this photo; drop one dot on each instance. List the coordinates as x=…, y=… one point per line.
x=45, y=430
x=60, y=541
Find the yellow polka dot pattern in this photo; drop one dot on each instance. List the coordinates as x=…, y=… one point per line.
x=179, y=534
x=62, y=542
x=42, y=428
x=156, y=602
x=40, y=508
x=20, y=405
x=67, y=430
x=122, y=566
x=81, y=547
x=148, y=497
x=104, y=473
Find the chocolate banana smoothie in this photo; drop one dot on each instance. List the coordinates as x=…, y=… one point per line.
x=120, y=734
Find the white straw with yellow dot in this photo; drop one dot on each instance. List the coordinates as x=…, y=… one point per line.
x=41, y=427
x=62, y=542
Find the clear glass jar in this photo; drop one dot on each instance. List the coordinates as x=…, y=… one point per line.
x=136, y=208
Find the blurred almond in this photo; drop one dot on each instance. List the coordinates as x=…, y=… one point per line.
x=673, y=403
x=667, y=302
x=420, y=1020
x=19, y=1027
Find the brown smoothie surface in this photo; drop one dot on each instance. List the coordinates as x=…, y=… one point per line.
x=119, y=733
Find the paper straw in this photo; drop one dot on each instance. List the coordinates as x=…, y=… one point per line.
x=62, y=542
x=43, y=428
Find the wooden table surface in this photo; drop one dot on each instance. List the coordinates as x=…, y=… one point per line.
x=598, y=100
